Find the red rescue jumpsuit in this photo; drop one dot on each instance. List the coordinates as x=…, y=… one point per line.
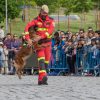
x=45, y=30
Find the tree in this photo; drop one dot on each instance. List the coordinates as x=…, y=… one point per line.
x=97, y=7
x=52, y=4
x=83, y=6
x=26, y=5
x=27, y=2
x=79, y=6
x=13, y=9
x=69, y=6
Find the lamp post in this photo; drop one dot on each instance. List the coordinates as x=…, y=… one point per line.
x=6, y=16
x=99, y=14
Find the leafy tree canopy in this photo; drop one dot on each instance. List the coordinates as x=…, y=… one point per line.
x=13, y=9
x=69, y=6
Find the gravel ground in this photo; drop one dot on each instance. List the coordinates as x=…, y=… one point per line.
x=59, y=88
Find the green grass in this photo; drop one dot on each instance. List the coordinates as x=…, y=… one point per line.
x=17, y=26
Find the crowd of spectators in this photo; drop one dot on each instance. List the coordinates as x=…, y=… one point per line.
x=9, y=46
x=64, y=45
x=74, y=50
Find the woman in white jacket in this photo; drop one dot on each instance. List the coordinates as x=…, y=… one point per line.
x=3, y=59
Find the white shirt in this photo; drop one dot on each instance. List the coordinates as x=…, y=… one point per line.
x=4, y=53
x=1, y=33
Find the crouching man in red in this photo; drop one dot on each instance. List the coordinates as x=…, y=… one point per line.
x=45, y=27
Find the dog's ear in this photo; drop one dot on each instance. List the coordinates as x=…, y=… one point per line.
x=33, y=29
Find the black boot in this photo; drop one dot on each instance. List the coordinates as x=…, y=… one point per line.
x=44, y=81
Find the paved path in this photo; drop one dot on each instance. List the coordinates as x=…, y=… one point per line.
x=59, y=88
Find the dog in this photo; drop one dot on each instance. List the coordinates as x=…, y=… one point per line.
x=26, y=51
x=20, y=59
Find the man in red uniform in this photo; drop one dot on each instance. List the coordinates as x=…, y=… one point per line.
x=45, y=27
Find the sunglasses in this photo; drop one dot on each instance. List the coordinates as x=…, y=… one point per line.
x=63, y=37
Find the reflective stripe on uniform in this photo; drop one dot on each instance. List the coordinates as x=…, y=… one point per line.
x=42, y=29
x=45, y=29
x=41, y=58
x=42, y=71
x=47, y=34
x=50, y=36
x=46, y=62
x=25, y=33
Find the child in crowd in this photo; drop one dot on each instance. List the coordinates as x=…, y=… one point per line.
x=3, y=59
x=69, y=49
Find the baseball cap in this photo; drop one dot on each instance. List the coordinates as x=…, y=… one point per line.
x=45, y=8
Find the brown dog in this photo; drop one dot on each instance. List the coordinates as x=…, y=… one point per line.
x=20, y=59
x=25, y=52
